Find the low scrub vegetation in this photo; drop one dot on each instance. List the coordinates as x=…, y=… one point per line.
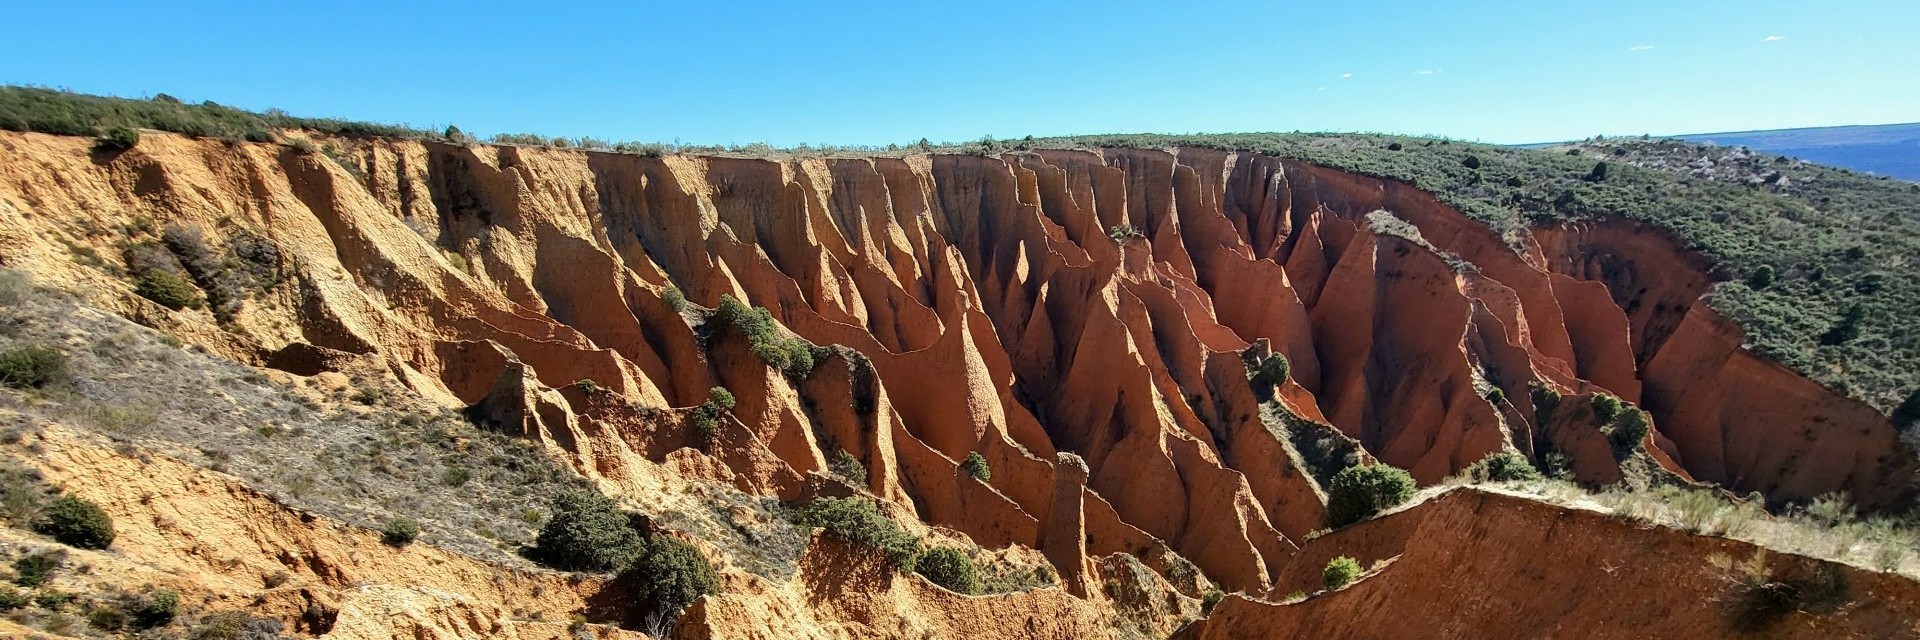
x=400, y=532
x=1502, y=466
x=706, y=417
x=1755, y=599
x=1360, y=492
x=75, y=522
x=586, y=532
x=847, y=467
x=949, y=568
x=32, y=367
x=1339, y=572
x=976, y=465
x=666, y=577
x=860, y=522
x=788, y=354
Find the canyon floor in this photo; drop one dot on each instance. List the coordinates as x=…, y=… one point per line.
x=1060, y=363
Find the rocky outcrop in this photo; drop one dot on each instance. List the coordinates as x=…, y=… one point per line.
x=1105, y=304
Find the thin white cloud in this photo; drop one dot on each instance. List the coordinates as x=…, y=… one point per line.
x=1773, y=38
x=1640, y=47
x=1348, y=74
x=1321, y=89
x=1429, y=72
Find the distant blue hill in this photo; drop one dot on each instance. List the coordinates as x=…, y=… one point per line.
x=1888, y=149
x=1880, y=149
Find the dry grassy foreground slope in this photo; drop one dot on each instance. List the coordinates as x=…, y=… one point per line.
x=1024, y=306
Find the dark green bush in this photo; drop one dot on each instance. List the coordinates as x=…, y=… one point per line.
x=788, y=354
x=860, y=522
x=976, y=465
x=32, y=367
x=1503, y=466
x=721, y=397
x=587, y=533
x=670, y=575
x=1606, y=407
x=400, y=532
x=848, y=468
x=1496, y=395
x=33, y=569
x=119, y=138
x=1627, y=432
x=706, y=417
x=455, y=476
x=949, y=568
x=1360, y=492
x=168, y=289
x=75, y=522
x=152, y=608
x=706, y=424
x=1598, y=173
x=1340, y=572
x=1762, y=277
x=674, y=298
x=1273, y=370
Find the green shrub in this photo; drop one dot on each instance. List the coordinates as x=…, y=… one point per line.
x=976, y=465
x=235, y=625
x=848, y=468
x=400, y=532
x=11, y=598
x=1627, y=432
x=706, y=424
x=1274, y=369
x=1606, y=407
x=119, y=138
x=860, y=522
x=1360, y=492
x=674, y=298
x=706, y=417
x=76, y=522
x=587, y=533
x=168, y=289
x=1340, y=572
x=1213, y=596
x=1503, y=466
x=455, y=476
x=788, y=354
x=1762, y=277
x=670, y=575
x=721, y=397
x=33, y=569
x=152, y=608
x=949, y=568
x=32, y=367
x=1496, y=396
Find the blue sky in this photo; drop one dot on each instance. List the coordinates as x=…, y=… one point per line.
x=880, y=72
